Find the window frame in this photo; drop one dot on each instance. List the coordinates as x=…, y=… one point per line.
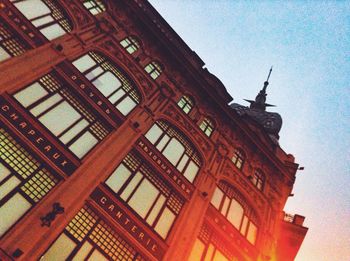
x=153, y=69
x=96, y=5
x=207, y=126
x=239, y=158
x=258, y=179
x=186, y=104
x=130, y=44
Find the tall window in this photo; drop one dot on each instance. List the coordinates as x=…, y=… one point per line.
x=130, y=44
x=46, y=16
x=153, y=69
x=94, y=6
x=9, y=44
x=207, y=126
x=87, y=237
x=109, y=80
x=258, y=179
x=62, y=114
x=185, y=103
x=209, y=247
x=238, y=158
x=176, y=148
x=23, y=181
x=151, y=198
x=232, y=205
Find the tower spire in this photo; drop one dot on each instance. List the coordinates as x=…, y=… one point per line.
x=259, y=103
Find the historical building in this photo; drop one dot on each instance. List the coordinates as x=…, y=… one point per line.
x=116, y=144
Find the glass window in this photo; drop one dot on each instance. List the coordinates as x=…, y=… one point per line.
x=23, y=181
x=176, y=148
x=130, y=44
x=87, y=237
x=153, y=69
x=10, y=45
x=152, y=199
x=110, y=81
x=207, y=126
x=62, y=115
x=186, y=104
x=46, y=16
x=233, y=206
x=258, y=179
x=238, y=158
x=94, y=6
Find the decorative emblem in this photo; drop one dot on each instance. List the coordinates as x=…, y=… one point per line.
x=56, y=209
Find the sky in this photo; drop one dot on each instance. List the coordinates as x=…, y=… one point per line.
x=308, y=44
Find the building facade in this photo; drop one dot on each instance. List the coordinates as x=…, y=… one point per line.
x=116, y=144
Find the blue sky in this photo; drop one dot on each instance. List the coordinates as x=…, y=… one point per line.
x=308, y=43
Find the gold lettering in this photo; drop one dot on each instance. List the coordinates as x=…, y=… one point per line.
x=154, y=247
x=64, y=162
x=141, y=235
x=108, y=111
x=111, y=207
x=99, y=103
x=82, y=86
x=14, y=116
x=38, y=140
x=119, y=214
x=133, y=229
x=91, y=94
x=103, y=200
x=31, y=132
x=47, y=148
x=5, y=108
x=74, y=77
x=23, y=124
x=126, y=221
x=56, y=155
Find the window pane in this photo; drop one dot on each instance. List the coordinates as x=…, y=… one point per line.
x=3, y=54
x=32, y=8
x=107, y=83
x=126, y=105
x=8, y=186
x=118, y=178
x=74, y=131
x=43, y=20
x=47, y=103
x=82, y=145
x=219, y=256
x=97, y=256
x=30, y=94
x=174, y=151
x=164, y=223
x=116, y=96
x=197, y=251
x=60, y=118
x=225, y=206
x=191, y=171
x=4, y=172
x=84, y=63
x=94, y=73
x=235, y=213
x=252, y=231
x=244, y=225
x=11, y=211
x=143, y=198
x=131, y=186
x=83, y=251
x=209, y=254
x=154, y=133
x=53, y=31
x=182, y=162
x=163, y=142
x=60, y=250
x=155, y=210
x=217, y=197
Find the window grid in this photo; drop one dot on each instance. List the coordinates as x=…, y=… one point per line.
x=175, y=203
x=207, y=126
x=126, y=85
x=174, y=133
x=94, y=6
x=258, y=179
x=185, y=103
x=9, y=42
x=238, y=158
x=58, y=15
x=39, y=185
x=130, y=44
x=153, y=69
x=16, y=157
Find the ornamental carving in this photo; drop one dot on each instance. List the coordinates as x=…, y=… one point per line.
x=172, y=112
x=80, y=16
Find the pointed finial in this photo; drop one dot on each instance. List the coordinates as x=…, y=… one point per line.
x=266, y=83
x=268, y=77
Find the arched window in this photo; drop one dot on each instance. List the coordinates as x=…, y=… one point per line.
x=94, y=6
x=53, y=104
x=176, y=148
x=258, y=179
x=233, y=206
x=238, y=158
x=46, y=16
x=148, y=195
x=186, y=104
x=153, y=69
x=130, y=44
x=109, y=80
x=9, y=44
x=207, y=126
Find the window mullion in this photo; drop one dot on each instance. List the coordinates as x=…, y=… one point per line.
x=50, y=108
